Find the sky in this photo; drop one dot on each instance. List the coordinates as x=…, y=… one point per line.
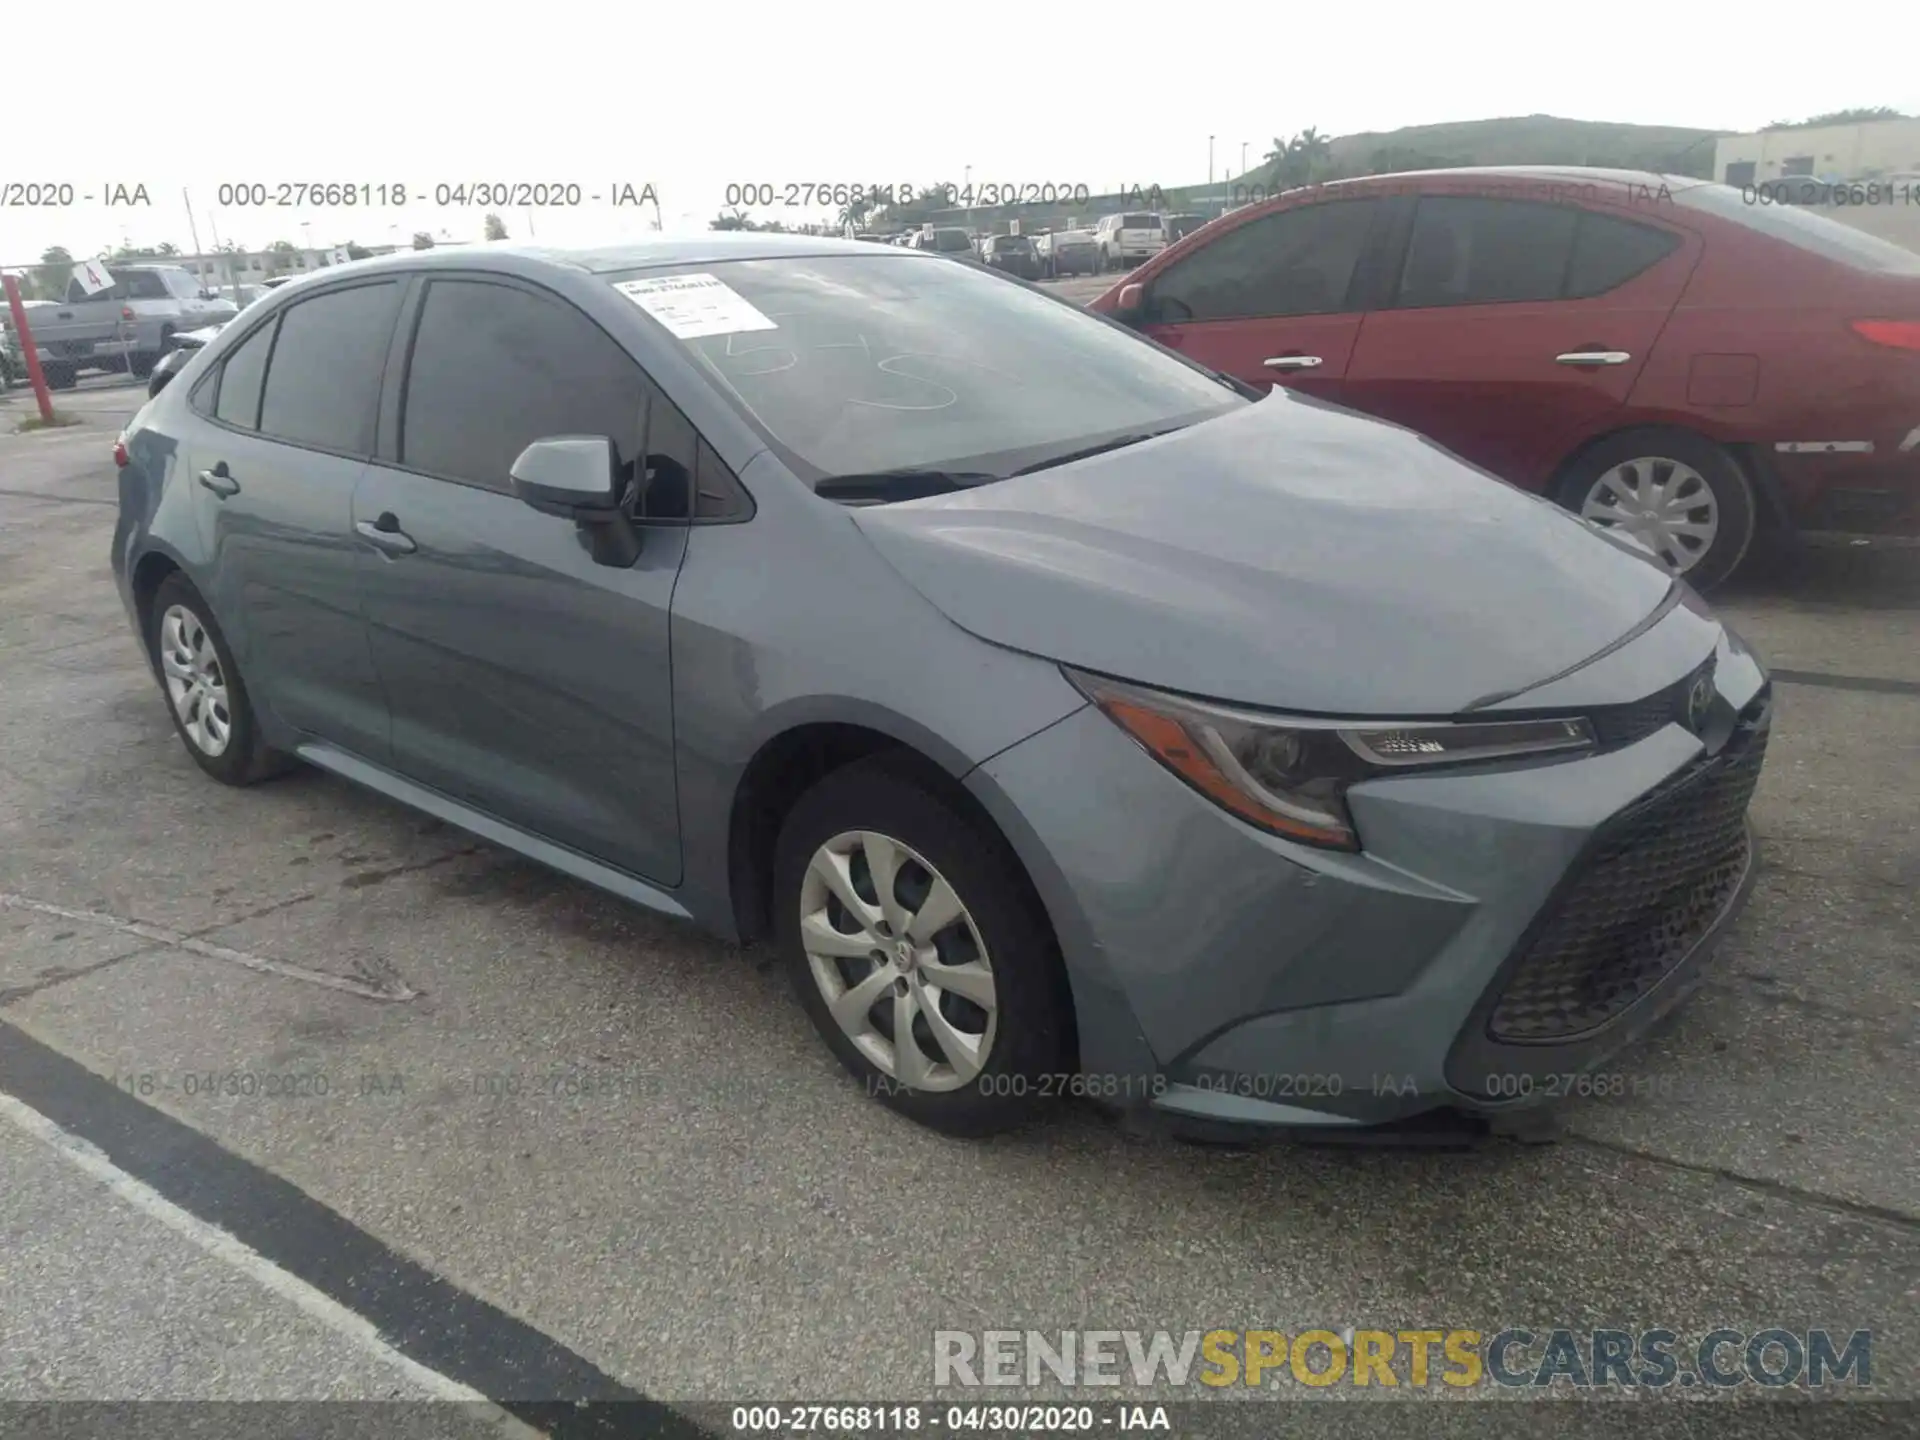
x=693, y=98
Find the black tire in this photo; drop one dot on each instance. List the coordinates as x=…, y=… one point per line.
x=1732, y=491
x=60, y=376
x=244, y=760
x=141, y=366
x=1030, y=998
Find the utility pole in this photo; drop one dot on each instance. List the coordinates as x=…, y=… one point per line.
x=192, y=229
x=28, y=351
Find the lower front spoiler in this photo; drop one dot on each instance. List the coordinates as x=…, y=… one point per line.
x=1375, y=1109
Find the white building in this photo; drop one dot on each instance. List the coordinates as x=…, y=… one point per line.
x=250, y=267
x=1870, y=150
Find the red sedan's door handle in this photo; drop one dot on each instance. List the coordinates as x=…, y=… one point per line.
x=1593, y=357
x=1293, y=362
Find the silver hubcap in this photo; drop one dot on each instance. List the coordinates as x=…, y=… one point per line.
x=1665, y=505
x=195, y=682
x=899, y=961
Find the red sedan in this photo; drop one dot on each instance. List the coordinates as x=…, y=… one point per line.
x=1664, y=355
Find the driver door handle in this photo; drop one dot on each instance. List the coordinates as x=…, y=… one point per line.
x=219, y=481
x=1293, y=362
x=385, y=535
x=1593, y=357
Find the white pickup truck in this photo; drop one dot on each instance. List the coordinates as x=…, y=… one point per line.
x=127, y=326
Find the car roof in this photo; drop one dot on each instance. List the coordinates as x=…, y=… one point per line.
x=711, y=246
x=1525, y=175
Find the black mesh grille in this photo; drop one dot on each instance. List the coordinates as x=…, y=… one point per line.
x=1619, y=725
x=1656, y=883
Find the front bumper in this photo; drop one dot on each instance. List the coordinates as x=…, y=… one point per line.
x=1501, y=930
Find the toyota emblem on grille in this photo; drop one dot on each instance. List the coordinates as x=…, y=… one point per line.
x=1699, y=701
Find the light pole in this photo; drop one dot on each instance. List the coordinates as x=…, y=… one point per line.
x=1209, y=162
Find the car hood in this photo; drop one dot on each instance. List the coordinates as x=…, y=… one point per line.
x=1290, y=555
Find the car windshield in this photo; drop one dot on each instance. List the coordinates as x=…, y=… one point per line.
x=857, y=364
x=1816, y=233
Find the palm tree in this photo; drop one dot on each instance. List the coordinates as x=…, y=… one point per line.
x=853, y=212
x=1315, y=152
x=734, y=219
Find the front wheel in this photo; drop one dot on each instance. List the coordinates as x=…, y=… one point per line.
x=1679, y=495
x=918, y=952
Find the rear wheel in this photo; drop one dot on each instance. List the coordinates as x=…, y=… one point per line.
x=1678, y=494
x=205, y=694
x=918, y=952
x=60, y=375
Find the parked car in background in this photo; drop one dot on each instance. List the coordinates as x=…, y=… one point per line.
x=948, y=240
x=1013, y=254
x=1653, y=352
x=1123, y=241
x=1068, y=252
x=127, y=326
x=1178, y=227
x=1466, y=808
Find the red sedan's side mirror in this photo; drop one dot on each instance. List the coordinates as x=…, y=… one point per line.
x=1131, y=296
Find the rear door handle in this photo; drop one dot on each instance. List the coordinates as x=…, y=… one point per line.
x=385, y=535
x=1293, y=362
x=219, y=481
x=1593, y=357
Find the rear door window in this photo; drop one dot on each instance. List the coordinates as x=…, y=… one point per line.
x=1299, y=261
x=323, y=379
x=1471, y=251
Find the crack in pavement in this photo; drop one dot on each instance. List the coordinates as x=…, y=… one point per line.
x=391, y=993
x=1773, y=1189
x=21, y=992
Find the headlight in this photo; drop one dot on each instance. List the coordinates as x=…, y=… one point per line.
x=1290, y=776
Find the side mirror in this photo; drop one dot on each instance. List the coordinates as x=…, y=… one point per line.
x=577, y=477
x=573, y=476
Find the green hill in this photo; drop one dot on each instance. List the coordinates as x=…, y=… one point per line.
x=1532, y=140
x=1515, y=140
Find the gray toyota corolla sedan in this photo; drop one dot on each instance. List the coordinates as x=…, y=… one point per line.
x=1076, y=721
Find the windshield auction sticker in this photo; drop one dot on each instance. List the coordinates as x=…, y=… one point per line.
x=694, y=306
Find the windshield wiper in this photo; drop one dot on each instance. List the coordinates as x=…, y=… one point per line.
x=908, y=484
x=1118, y=443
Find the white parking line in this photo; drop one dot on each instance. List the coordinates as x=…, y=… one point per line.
x=263, y=1272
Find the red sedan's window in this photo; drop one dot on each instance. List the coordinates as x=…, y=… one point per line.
x=1469, y=251
x=1293, y=262
x=1608, y=252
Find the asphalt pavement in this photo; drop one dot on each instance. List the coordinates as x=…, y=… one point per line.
x=465, y=1127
